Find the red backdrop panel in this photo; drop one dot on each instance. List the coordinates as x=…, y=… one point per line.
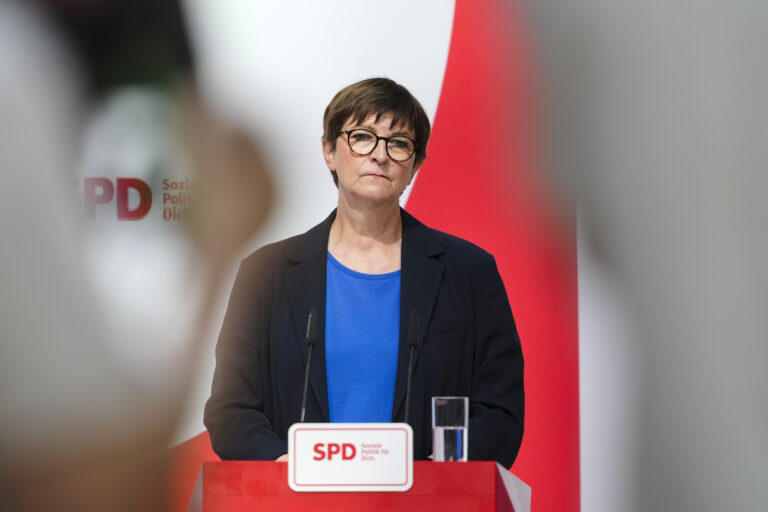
x=481, y=182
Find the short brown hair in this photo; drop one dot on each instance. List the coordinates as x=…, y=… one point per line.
x=377, y=96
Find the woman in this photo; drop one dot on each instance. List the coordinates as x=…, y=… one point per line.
x=365, y=268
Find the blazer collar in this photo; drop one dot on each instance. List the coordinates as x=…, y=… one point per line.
x=420, y=277
x=417, y=238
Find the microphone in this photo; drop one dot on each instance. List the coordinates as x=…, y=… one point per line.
x=311, y=341
x=413, y=341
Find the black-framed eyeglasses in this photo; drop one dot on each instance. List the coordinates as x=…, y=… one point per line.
x=362, y=142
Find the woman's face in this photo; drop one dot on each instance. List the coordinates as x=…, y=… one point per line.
x=374, y=177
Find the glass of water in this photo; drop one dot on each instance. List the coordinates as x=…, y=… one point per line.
x=450, y=421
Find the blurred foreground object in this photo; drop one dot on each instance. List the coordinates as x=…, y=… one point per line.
x=79, y=430
x=657, y=128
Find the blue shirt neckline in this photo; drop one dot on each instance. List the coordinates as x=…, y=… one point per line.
x=360, y=275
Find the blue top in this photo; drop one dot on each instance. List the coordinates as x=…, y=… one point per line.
x=362, y=330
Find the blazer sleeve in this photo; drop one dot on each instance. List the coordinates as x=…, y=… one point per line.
x=235, y=413
x=497, y=401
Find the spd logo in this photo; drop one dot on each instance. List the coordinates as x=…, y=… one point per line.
x=327, y=451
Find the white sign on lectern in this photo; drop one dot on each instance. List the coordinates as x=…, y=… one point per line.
x=344, y=457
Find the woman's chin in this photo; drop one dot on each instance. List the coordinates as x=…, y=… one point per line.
x=375, y=194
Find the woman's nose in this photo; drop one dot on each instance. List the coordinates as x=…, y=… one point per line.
x=379, y=153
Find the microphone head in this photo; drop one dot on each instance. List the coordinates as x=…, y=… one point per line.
x=312, y=327
x=413, y=329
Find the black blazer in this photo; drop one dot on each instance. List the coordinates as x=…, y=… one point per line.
x=469, y=345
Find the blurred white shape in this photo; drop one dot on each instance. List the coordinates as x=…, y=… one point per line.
x=144, y=270
x=608, y=369
x=61, y=387
x=658, y=126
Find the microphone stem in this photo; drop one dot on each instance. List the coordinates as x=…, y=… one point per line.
x=408, y=386
x=306, y=382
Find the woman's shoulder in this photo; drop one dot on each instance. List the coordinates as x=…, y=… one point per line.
x=461, y=245
x=293, y=249
x=271, y=256
x=431, y=239
x=269, y=252
x=454, y=247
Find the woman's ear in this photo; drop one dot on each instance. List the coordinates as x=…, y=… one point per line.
x=329, y=153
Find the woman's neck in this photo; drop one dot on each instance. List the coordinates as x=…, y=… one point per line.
x=367, y=240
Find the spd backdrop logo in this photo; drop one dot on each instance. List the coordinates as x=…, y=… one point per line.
x=101, y=192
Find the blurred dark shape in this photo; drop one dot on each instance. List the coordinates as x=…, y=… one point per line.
x=125, y=42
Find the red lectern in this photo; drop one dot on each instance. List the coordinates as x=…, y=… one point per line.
x=467, y=486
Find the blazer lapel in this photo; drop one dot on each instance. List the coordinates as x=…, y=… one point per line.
x=420, y=277
x=305, y=283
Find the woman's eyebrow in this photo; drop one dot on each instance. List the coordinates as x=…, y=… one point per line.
x=392, y=134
